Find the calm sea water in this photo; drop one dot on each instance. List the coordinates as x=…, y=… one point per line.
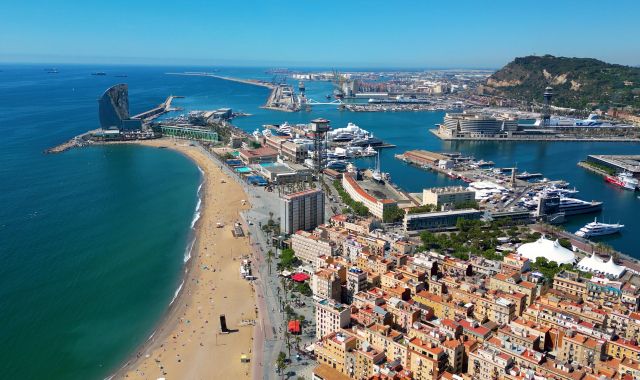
x=92, y=240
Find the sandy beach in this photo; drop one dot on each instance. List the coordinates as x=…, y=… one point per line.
x=187, y=343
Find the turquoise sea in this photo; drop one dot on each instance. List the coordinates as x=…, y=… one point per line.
x=92, y=241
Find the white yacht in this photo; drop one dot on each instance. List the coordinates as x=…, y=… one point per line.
x=284, y=129
x=596, y=228
x=369, y=151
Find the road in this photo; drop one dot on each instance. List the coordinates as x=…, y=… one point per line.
x=269, y=332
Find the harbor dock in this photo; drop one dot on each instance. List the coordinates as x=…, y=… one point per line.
x=282, y=98
x=610, y=164
x=161, y=109
x=534, y=137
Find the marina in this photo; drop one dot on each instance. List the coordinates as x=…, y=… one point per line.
x=502, y=189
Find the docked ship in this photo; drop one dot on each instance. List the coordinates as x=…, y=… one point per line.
x=596, y=228
x=400, y=100
x=343, y=137
x=574, y=206
x=366, y=141
x=624, y=180
x=348, y=133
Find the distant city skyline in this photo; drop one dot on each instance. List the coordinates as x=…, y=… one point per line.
x=410, y=34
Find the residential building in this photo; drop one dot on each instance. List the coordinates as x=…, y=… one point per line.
x=303, y=210
x=309, y=247
x=325, y=284
x=331, y=316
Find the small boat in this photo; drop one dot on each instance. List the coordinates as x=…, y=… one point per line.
x=596, y=228
x=99, y=73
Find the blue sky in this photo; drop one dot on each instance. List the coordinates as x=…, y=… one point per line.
x=391, y=33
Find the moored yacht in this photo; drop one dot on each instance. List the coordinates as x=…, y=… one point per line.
x=574, y=206
x=596, y=228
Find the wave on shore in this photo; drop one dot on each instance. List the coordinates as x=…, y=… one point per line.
x=196, y=217
x=176, y=294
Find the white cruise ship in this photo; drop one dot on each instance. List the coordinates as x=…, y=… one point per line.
x=596, y=228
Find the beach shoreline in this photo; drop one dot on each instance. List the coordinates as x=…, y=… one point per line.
x=172, y=350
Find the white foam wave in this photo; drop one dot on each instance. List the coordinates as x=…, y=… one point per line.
x=175, y=295
x=187, y=252
x=196, y=214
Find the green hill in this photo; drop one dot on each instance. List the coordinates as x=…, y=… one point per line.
x=577, y=82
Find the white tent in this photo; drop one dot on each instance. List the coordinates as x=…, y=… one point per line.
x=596, y=265
x=549, y=249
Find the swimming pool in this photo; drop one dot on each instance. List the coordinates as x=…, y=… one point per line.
x=243, y=169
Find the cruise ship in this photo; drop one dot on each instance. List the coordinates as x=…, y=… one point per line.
x=574, y=206
x=400, y=100
x=624, y=180
x=596, y=228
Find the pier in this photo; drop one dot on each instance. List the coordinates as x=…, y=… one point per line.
x=282, y=98
x=611, y=164
x=254, y=82
x=77, y=141
x=153, y=113
x=536, y=137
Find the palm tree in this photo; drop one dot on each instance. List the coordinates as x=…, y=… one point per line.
x=281, y=363
x=269, y=259
x=287, y=338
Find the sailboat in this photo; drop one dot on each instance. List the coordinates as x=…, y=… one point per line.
x=377, y=175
